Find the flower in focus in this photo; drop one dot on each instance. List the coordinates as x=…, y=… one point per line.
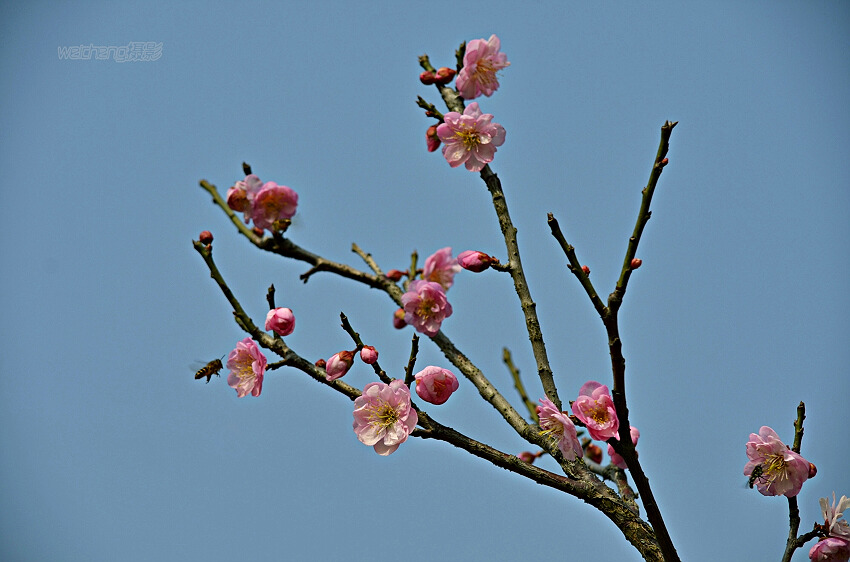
x=470, y=138
x=272, y=204
x=368, y=354
x=474, y=261
x=281, y=321
x=240, y=197
x=480, y=63
x=595, y=408
x=782, y=470
x=338, y=365
x=247, y=366
x=435, y=385
x=617, y=459
x=383, y=417
x=441, y=267
x=560, y=427
x=425, y=306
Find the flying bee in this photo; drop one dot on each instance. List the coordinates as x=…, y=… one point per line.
x=210, y=369
x=758, y=474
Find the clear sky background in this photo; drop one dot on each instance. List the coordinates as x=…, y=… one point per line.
x=109, y=450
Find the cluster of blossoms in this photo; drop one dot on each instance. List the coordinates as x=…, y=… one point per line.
x=247, y=363
x=268, y=204
x=773, y=467
x=340, y=363
x=836, y=546
x=424, y=305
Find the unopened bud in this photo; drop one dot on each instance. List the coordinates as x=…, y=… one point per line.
x=594, y=453
x=585, y=269
x=394, y=275
x=206, y=238
x=398, y=319
x=432, y=141
x=320, y=363
x=258, y=231
x=813, y=470
x=338, y=365
x=474, y=261
x=427, y=78
x=369, y=354
x=636, y=263
x=445, y=75
x=527, y=456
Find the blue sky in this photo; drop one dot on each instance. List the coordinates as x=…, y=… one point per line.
x=111, y=451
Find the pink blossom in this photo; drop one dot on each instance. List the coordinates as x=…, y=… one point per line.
x=835, y=547
x=560, y=427
x=435, y=385
x=831, y=549
x=383, y=417
x=441, y=267
x=616, y=458
x=281, y=321
x=369, y=354
x=595, y=408
x=474, y=261
x=247, y=366
x=782, y=470
x=240, y=197
x=425, y=306
x=338, y=365
x=480, y=63
x=273, y=204
x=470, y=138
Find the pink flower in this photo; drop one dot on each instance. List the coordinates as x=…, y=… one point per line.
x=782, y=471
x=240, y=197
x=831, y=549
x=272, y=204
x=559, y=426
x=470, y=138
x=247, y=366
x=441, y=267
x=617, y=459
x=435, y=385
x=369, y=354
x=836, y=547
x=480, y=63
x=474, y=261
x=281, y=321
x=338, y=365
x=425, y=306
x=383, y=417
x=595, y=408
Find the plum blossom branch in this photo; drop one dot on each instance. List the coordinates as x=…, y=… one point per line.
x=793, y=510
x=520, y=388
x=411, y=362
x=355, y=337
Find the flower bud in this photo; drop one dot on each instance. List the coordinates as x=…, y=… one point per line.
x=813, y=470
x=444, y=75
x=258, y=231
x=427, y=78
x=527, y=456
x=435, y=385
x=636, y=263
x=594, y=453
x=398, y=319
x=320, y=363
x=206, y=238
x=281, y=321
x=585, y=269
x=368, y=354
x=432, y=141
x=474, y=261
x=394, y=275
x=338, y=365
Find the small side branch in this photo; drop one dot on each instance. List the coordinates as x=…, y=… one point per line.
x=793, y=511
x=520, y=388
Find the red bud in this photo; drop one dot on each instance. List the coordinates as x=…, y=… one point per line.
x=585, y=269
x=206, y=238
x=636, y=263
x=444, y=76
x=427, y=78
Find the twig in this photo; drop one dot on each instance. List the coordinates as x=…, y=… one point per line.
x=793, y=511
x=520, y=388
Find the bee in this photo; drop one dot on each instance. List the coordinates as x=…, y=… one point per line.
x=758, y=474
x=210, y=369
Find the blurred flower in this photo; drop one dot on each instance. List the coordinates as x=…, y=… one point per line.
x=425, y=306
x=240, y=197
x=831, y=549
x=782, y=470
x=593, y=452
x=273, y=203
x=383, y=417
x=560, y=427
x=441, y=267
x=474, y=261
x=595, y=408
x=338, y=365
x=617, y=459
x=470, y=138
x=833, y=516
x=432, y=141
x=281, y=321
x=368, y=354
x=435, y=385
x=444, y=75
x=247, y=366
x=398, y=319
x=480, y=63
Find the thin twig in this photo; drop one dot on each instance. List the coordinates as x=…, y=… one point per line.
x=520, y=388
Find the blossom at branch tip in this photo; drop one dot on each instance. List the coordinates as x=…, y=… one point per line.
x=272, y=204
x=782, y=471
x=616, y=459
x=481, y=61
x=835, y=547
x=441, y=267
x=247, y=366
x=472, y=260
x=435, y=385
x=281, y=321
x=338, y=365
x=471, y=138
x=425, y=306
x=558, y=425
x=240, y=197
x=383, y=417
x=595, y=408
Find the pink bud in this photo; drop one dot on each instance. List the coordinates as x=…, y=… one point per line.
x=435, y=385
x=585, y=269
x=427, y=78
x=636, y=263
x=474, y=261
x=281, y=321
x=206, y=238
x=339, y=364
x=394, y=275
x=527, y=456
x=432, y=141
x=594, y=453
x=444, y=75
x=398, y=319
x=368, y=354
